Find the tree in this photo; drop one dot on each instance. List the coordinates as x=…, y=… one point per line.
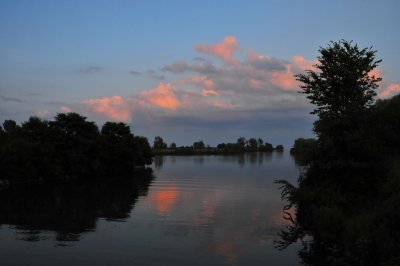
x=1, y=135
x=253, y=144
x=35, y=128
x=116, y=130
x=199, y=145
x=75, y=140
x=172, y=145
x=221, y=146
x=342, y=86
x=242, y=142
x=267, y=147
x=260, y=142
x=279, y=148
x=303, y=150
x=142, y=150
x=352, y=178
x=10, y=126
x=159, y=143
x=74, y=124
x=69, y=148
x=118, y=148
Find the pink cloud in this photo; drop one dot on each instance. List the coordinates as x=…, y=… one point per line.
x=199, y=80
x=393, y=87
x=208, y=83
x=285, y=80
x=224, y=49
x=304, y=64
x=113, y=107
x=376, y=72
x=203, y=81
x=209, y=92
x=163, y=96
x=65, y=109
x=253, y=56
x=264, y=70
x=255, y=83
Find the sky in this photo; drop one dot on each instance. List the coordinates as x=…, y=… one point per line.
x=183, y=70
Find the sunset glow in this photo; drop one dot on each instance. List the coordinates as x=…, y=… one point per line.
x=200, y=71
x=285, y=80
x=164, y=199
x=170, y=132
x=303, y=63
x=114, y=107
x=224, y=49
x=163, y=96
x=391, y=89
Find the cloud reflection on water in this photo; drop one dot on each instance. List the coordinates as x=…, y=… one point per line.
x=218, y=203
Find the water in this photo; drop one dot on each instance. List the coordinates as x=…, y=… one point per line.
x=197, y=210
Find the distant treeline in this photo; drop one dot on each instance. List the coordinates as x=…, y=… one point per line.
x=200, y=148
x=69, y=147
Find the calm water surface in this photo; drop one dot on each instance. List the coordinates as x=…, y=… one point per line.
x=197, y=210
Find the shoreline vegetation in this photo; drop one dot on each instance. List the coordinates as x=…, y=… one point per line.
x=344, y=208
x=70, y=148
x=200, y=148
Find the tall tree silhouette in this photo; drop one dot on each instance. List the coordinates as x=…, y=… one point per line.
x=348, y=192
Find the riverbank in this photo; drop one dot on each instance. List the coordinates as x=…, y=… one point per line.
x=208, y=151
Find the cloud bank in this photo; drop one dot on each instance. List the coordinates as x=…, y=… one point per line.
x=390, y=90
x=226, y=85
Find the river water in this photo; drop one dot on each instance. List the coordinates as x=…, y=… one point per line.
x=196, y=210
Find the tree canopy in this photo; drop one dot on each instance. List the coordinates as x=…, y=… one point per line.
x=342, y=84
x=69, y=147
x=159, y=143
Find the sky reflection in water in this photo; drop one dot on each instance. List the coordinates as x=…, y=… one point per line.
x=198, y=210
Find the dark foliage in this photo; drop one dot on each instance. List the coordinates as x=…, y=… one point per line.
x=347, y=198
x=200, y=148
x=199, y=145
x=279, y=148
x=341, y=86
x=159, y=143
x=70, y=209
x=68, y=148
x=303, y=150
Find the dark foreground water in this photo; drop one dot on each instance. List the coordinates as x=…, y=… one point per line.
x=197, y=210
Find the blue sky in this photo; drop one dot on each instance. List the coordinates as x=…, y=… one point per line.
x=184, y=70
